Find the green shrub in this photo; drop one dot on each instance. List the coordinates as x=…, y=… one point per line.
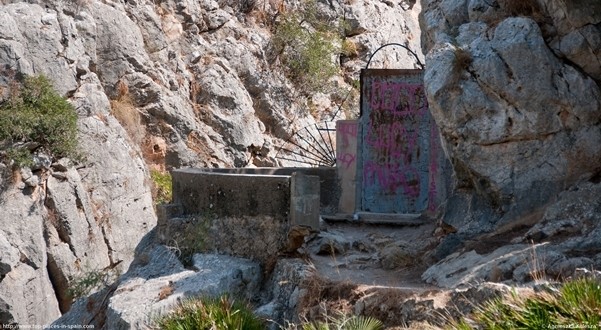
x=83, y=285
x=210, y=314
x=34, y=116
x=576, y=304
x=162, y=189
x=307, y=45
x=193, y=240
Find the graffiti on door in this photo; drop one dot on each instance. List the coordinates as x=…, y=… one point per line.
x=400, y=144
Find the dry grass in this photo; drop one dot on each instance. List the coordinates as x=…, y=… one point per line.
x=15, y=175
x=199, y=144
x=90, y=304
x=52, y=217
x=127, y=114
x=166, y=291
x=349, y=48
x=154, y=151
x=520, y=8
x=324, y=297
x=536, y=265
x=101, y=215
x=523, y=8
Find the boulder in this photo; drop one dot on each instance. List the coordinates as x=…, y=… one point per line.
x=330, y=243
x=285, y=290
x=141, y=298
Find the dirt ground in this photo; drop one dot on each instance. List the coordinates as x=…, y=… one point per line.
x=373, y=270
x=361, y=263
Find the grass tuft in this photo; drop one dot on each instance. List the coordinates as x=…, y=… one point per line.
x=576, y=304
x=210, y=313
x=461, y=62
x=124, y=110
x=341, y=322
x=162, y=190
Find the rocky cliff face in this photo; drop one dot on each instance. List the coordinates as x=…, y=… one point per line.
x=163, y=84
x=60, y=221
x=515, y=88
x=513, y=85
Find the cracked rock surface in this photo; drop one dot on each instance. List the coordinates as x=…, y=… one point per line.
x=518, y=106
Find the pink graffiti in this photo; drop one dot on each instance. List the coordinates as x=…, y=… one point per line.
x=392, y=176
x=393, y=140
x=399, y=99
x=395, y=162
x=348, y=132
x=347, y=159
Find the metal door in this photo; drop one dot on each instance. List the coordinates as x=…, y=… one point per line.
x=399, y=143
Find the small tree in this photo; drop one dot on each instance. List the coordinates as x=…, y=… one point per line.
x=33, y=116
x=307, y=45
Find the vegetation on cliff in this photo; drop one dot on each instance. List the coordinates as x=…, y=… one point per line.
x=307, y=44
x=34, y=116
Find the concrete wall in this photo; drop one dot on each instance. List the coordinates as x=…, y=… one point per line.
x=304, y=200
x=243, y=212
x=329, y=191
x=346, y=163
x=225, y=194
x=259, y=237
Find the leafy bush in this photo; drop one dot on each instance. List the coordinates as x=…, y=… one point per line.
x=307, y=45
x=34, y=116
x=210, y=313
x=576, y=304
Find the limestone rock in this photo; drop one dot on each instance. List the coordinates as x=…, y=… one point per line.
x=235, y=120
x=138, y=297
x=157, y=282
x=285, y=290
x=204, y=81
x=10, y=256
x=32, y=44
x=519, y=122
x=25, y=283
x=330, y=243
x=63, y=221
x=119, y=44
x=469, y=268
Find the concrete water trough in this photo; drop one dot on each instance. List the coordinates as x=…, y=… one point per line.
x=250, y=210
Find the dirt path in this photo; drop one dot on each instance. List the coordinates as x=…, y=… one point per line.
x=372, y=269
x=364, y=247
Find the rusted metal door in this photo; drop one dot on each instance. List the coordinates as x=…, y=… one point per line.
x=399, y=144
